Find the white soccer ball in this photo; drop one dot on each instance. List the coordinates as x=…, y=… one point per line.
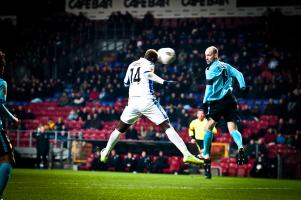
x=166, y=55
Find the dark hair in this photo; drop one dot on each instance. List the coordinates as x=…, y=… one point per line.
x=151, y=55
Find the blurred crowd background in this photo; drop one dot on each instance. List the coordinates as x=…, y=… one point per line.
x=79, y=64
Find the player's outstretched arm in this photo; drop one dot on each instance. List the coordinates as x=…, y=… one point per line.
x=8, y=114
x=153, y=77
x=171, y=83
x=239, y=76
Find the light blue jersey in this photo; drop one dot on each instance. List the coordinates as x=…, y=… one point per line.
x=219, y=80
x=3, y=92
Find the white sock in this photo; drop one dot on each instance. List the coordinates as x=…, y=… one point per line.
x=114, y=137
x=174, y=137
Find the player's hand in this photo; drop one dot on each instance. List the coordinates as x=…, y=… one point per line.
x=245, y=90
x=192, y=141
x=170, y=83
x=17, y=120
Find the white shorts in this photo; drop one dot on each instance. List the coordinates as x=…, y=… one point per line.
x=138, y=106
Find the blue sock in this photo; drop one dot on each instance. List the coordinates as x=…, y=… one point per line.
x=5, y=170
x=207, y=142
x=237, y=138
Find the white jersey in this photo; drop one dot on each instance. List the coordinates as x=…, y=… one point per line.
x=139, y=84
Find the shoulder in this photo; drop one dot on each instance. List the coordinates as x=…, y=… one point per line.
x=3, y=83
x=223, y=64
x=193, y=122
x=147, y=65
x=215, y=65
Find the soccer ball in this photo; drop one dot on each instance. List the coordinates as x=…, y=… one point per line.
x=166, y=55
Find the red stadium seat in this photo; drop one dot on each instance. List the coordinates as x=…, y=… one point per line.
x=232, y=169
x=225, y=168
x=175, y=163
x=242, y=170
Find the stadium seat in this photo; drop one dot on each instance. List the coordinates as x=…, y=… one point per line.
x=175, y=163
x=242, y=170
x=232, y=169
x=298, y=171
x=225, y=168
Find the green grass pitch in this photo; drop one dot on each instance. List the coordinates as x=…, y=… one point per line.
x=29, y=184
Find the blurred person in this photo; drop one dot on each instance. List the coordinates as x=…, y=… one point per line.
x=93, y=95
x=196, y=132
x=144, y=163
x=83, y=113
x=280, y=139
x=42, y=147
x=270, y=136
x=64, y=99
x=72, y=115
x=260, y=167
x=29, y=114
x=131, y=134
x=59, y=124
x=130, y=162
x=78, y=99
x=160, y=163
x=150, y=134
x=51, y=124
x=297, y=140
x=96, y=122
x=291, y=127
x=63, y=136
x=219, y=101
x=88, y=122
x=6, y=151
x=96, y=165
x=115, y=161
x=251, y=149
x=142, y=101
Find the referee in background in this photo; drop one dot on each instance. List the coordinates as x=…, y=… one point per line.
x=196, y=133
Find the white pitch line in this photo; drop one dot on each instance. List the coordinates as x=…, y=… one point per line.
x=104, y=187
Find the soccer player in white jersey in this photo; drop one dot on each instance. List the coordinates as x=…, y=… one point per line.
x=139, y=78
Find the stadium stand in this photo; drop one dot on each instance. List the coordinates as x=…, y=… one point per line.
x=90, y=76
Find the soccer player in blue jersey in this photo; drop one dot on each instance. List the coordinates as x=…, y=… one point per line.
x=219, y=101
x=6, y=152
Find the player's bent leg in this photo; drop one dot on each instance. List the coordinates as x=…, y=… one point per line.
x=236, y=135
x=114, y=137
x=208, y=136
x=5, y=171
x=174, y=137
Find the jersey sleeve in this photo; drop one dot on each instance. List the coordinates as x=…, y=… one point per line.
x=3, y=91
x=191, y=129
x=238, y=75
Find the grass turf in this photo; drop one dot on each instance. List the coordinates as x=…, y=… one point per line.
x=30, y=184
